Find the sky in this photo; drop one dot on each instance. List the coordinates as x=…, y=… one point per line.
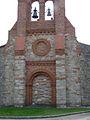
x=77, y=11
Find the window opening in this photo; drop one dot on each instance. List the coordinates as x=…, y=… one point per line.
x=49, y=10
x=35, y=11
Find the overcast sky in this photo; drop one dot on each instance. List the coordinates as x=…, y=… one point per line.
x=77, y=11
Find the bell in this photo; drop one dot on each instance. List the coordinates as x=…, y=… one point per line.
x=35, y=13
x=49, y=13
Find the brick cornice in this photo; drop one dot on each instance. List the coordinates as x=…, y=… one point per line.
x=19, y=52
x=23, y=1
x=40, y=63
x=49, y=30
x=41, y=27
x=60, y=51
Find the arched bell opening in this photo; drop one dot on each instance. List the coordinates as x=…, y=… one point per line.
x=49, y=10
x=35, y=11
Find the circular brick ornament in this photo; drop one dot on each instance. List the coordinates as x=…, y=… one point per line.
x=41, y=47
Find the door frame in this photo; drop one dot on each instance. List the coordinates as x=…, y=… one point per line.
x=29, y=85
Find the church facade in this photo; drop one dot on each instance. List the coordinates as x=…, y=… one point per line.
x=43, y=63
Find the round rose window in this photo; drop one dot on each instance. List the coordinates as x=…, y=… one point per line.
x=41, y=47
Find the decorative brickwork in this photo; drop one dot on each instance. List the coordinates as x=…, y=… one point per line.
x=60, y=52
x=41, y=27
x=19, y=52
x=40, y=68
x=31, y=56
x=41, y=47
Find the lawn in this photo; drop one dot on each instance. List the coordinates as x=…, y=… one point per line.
x=37, y=111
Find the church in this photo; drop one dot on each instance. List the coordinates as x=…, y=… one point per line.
x=42, y=62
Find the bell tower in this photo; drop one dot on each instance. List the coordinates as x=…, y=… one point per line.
x=25, y=14
x=40, y=66
x=41, y=42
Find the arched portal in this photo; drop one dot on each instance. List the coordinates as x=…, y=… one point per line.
x=41, y=89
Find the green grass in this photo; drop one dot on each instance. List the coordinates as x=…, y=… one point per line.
x=40, y=111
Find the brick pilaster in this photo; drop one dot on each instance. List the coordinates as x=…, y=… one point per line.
x=42, y=10
x=60, y=72
x=22, y=16
x=59, y=16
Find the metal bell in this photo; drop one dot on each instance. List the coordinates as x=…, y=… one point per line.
x=35, y=13
x=49, y=12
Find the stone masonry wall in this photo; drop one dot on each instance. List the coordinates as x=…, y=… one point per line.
x=2, y=75
x=85, y=73
x=73, y=90
x=9, y=72
x=60, y=81
x=41, y=90
x=19, y=81
x=30, y=56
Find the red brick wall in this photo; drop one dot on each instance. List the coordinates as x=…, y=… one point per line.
x=69, y=28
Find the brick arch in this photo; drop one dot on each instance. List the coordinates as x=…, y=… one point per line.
x=34, y=1
x=31, y=1
x=29, y=85
x=40, y=0
x=43, y=71
x=49, y=0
